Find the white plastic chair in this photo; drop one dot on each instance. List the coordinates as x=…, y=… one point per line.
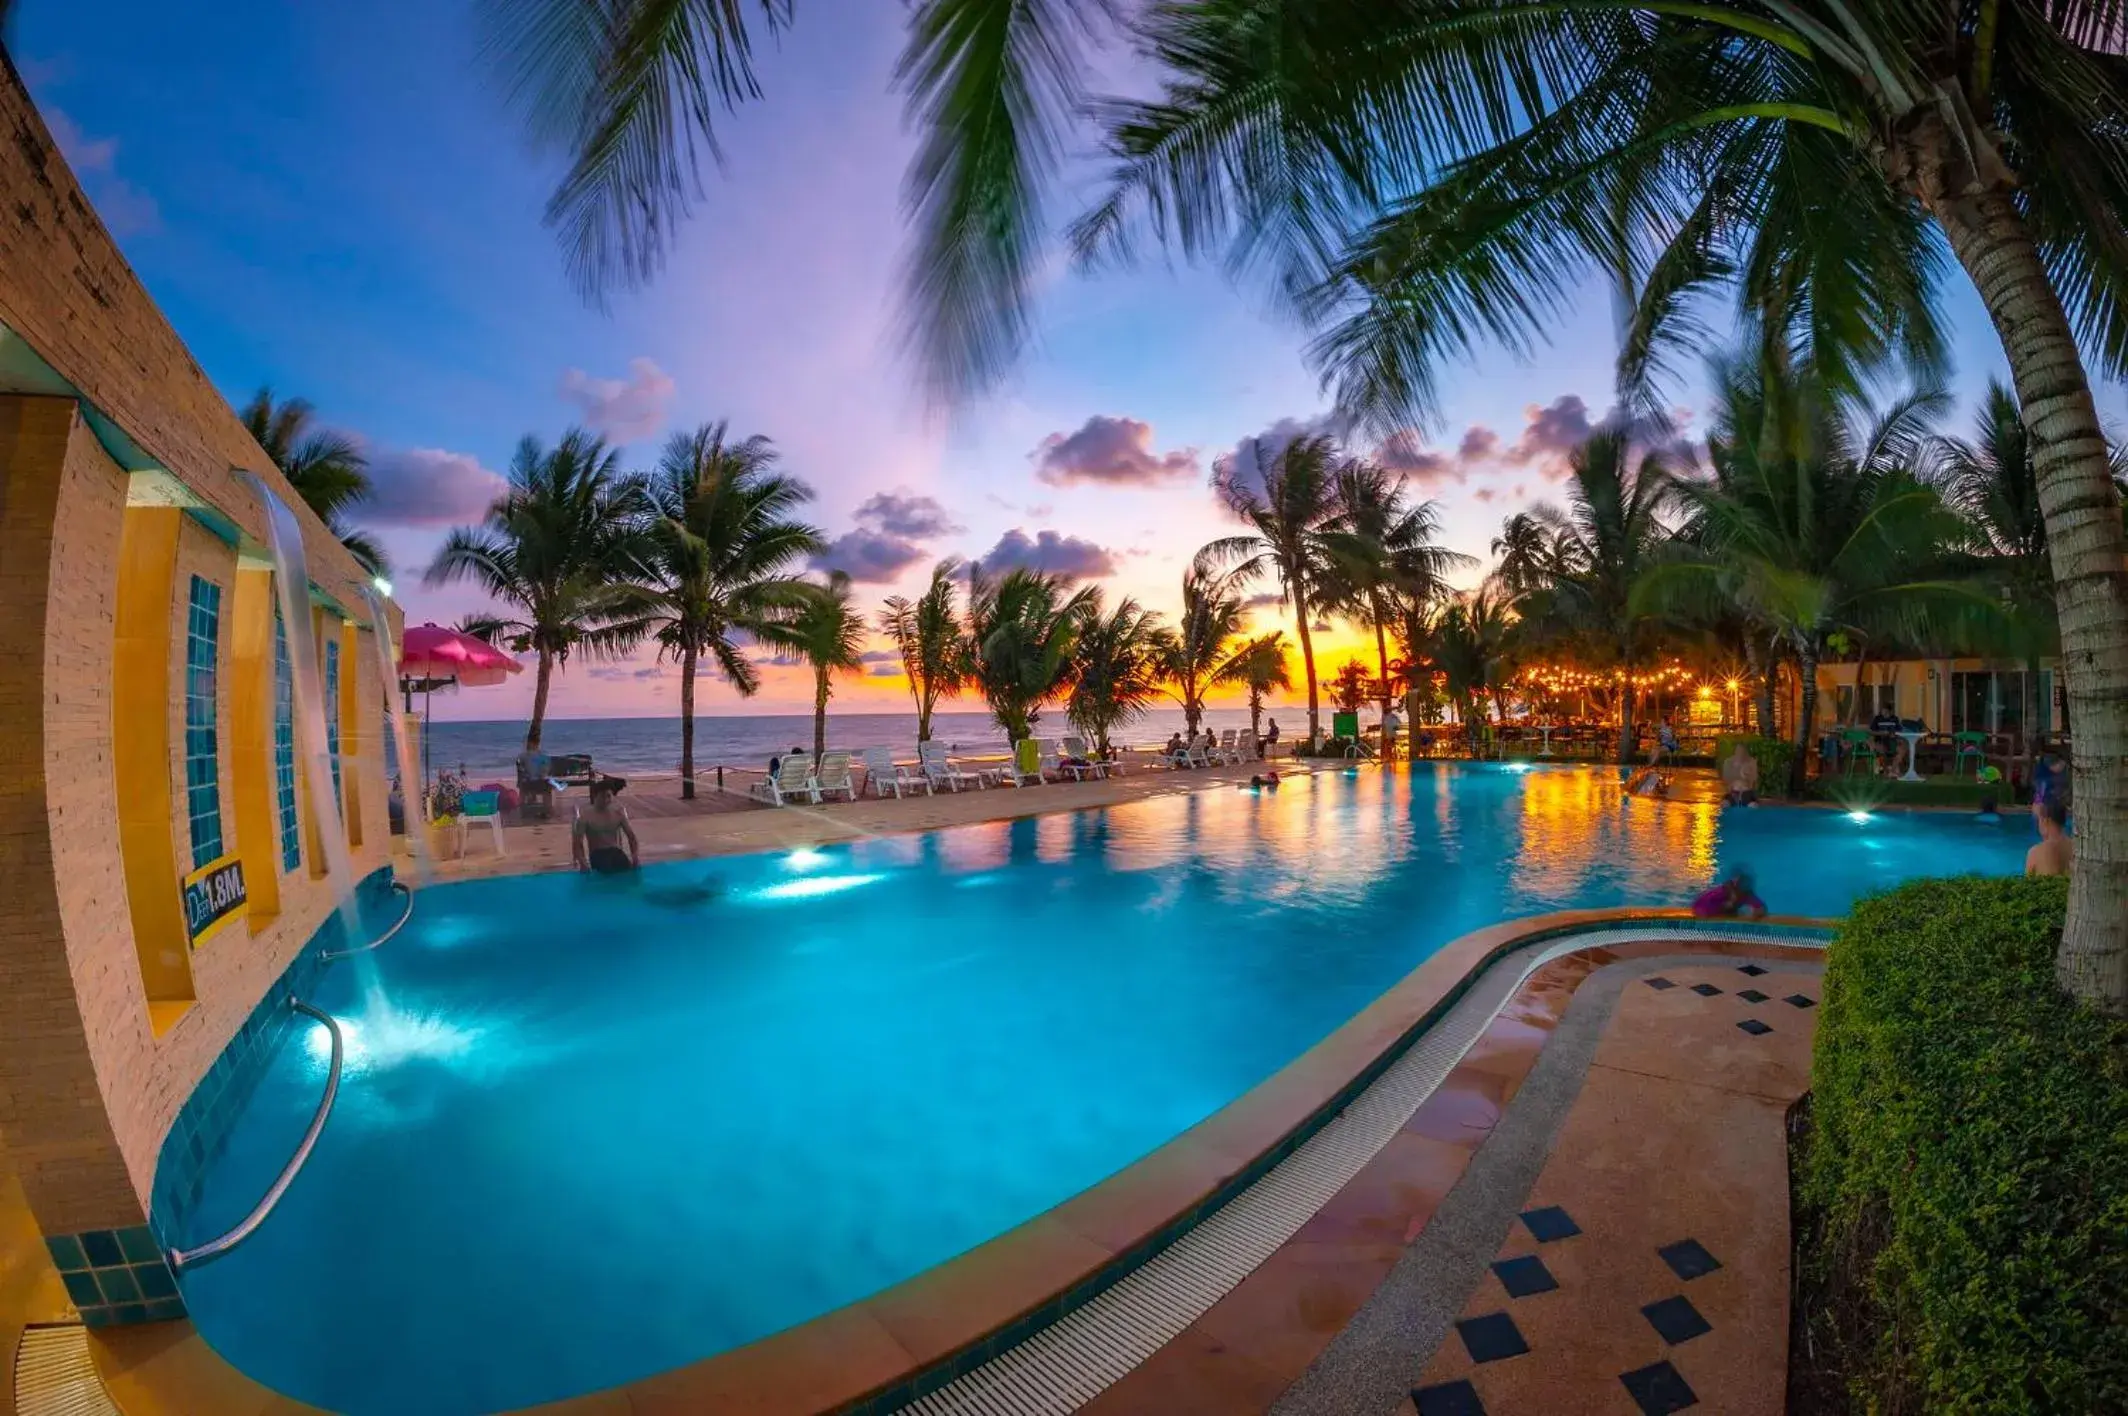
x=1200, y=751
x=480, y=806
x=833, y=775
x=1026, y=767
x=793, y=779
x=883, y=774
x=941, y=770
x=1229, y=748
x=1076, y=747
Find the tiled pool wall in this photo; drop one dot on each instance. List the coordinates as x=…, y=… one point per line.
x=119, y=1276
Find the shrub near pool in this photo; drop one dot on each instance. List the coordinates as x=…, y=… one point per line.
x=1969, y=1163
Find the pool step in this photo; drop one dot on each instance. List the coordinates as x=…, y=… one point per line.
x=54, y=1375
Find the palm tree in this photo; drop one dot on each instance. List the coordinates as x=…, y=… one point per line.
x=1263, y=668
x=1606, y=540
x=1288, y=501
x=1526, y=553
x=926, y=632
x=1383, y=549
x=1199, y=655
x=1116, y=667
x=825, y=631
x=565, y=551
x=327, y=468
x=1471, y=643
x=1815, y=529
x=722, y=551
x=1022, y=629
x=1488, y=155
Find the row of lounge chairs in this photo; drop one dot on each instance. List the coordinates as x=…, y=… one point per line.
x=1206, y=750
x=799, y=778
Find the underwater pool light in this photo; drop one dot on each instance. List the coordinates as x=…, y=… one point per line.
x=817, y=886
x=1518, y=768
x=1858, y=816
x=806, y=858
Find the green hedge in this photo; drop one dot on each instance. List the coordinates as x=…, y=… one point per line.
x=1774, y=756
x=1971, y=1154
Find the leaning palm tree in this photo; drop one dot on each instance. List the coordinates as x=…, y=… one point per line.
x=1200, y=654
x=723, y=551
x=825, y=632
x=1116, y=667
x=1384, y=550
x=1429, y=176
x=327, y=468
x=1022, y=628
x=1472, y=643
x=565, y=551
x=1263, y=668
x=926, y=632
x=1288, y=499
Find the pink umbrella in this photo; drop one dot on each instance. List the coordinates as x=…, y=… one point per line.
x=432, y=651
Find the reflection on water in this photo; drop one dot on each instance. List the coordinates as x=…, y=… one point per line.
x=618, y=1124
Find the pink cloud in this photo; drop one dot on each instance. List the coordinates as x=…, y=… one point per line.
x=1115, y=452
x=624, y=410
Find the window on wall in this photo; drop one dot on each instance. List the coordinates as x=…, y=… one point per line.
x=332, y=712
x=203, y=789
x=284, y=747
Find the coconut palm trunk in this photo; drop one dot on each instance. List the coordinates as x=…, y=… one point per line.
x=543, y=680
x=1626, y=695
x=687, y=723
x=1381, y=659
x=1806, y=716
x=1769, y=690
x=1307, y=660
x=2090, y=558
x=820, y=712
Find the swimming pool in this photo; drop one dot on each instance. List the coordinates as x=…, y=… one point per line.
x=593, y=1129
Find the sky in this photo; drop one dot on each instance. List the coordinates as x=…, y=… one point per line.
x=336, y=201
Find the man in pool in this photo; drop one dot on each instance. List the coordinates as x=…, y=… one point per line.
x=595, y=840
x=1729, y=899
x=2056, y=852
x=1740, y=776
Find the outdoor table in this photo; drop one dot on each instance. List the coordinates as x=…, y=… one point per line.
x=1546, y=729
x=1913, y=752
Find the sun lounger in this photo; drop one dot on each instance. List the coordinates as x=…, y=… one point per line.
x=942, y=771
x=883, y=774
x=1026, y=769
x=1229, y=747
x=1087, y=766
x=1200, y=751
x=793, y=781
x=833, y=775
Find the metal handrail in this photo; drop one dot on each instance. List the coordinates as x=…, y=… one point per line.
x=215, y=1248
x=401, y=887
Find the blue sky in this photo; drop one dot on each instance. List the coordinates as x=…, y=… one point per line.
x=334, y=200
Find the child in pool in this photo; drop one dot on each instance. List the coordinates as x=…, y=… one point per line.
x=1732, y=897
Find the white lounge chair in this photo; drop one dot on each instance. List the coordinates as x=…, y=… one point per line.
x=883, y=774
x=1229, y=748
x=1076, y=747
x=1200, y=751
x=833, y=775
x=793, y=781
x=1026, y=767
x=942, y=771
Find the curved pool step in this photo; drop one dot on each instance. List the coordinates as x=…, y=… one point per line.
x=55, y=1376
x=1066, y=1364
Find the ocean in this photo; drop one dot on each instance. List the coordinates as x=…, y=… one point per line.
x=651, y=746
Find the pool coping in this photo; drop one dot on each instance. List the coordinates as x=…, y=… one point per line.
x=896, y=1345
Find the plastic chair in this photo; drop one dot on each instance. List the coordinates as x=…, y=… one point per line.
x=1970, y=744
x=481, y=806
x=1856, y=744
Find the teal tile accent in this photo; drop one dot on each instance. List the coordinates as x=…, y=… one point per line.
x=118, y=1285
x=203, y=799
x=81, y=1289
x=66, y=1253
x=101, y=1245
x=168, y=1310
x=138, y=1245
x=98, y=1317
x=155, y=1280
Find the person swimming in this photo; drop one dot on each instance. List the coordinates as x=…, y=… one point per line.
x=1988, y=815
x=1732, y=897
x=595, y=839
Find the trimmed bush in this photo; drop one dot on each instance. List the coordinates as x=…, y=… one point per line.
x=1773, y=754
x=1970, y=1158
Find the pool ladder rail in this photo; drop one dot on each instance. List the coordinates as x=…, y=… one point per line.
x=404, y=916
x=214, y=1248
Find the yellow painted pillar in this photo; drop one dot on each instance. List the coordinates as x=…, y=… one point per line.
x=258, y=835
x=140, y=701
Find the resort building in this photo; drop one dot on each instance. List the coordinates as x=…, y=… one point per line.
x=164, y=859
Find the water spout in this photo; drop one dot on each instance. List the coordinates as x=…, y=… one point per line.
x=413, y=795
x=291, y=579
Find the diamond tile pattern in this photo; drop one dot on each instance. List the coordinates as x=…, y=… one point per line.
x=1752, y=995
x=1659, y=983
x=1448, y=1399
x=1659, y=1389
x=1705, y=990
x=1751, y=969
x=1549, y=1224
x=1689, y=1259
x=1524, y=1276
x=1754, y=1027
x=1491, y=1338
x=1798, y=1000
x=1676, y=1320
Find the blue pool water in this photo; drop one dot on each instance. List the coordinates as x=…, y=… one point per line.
x=593, y=1129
